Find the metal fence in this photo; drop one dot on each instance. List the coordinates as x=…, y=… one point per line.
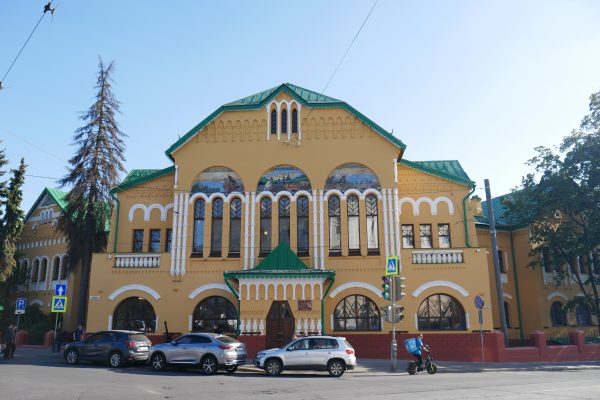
x=592, y=336
x=558, y=339
x=515, y=340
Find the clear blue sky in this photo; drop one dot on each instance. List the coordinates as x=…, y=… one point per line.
x=482, y=82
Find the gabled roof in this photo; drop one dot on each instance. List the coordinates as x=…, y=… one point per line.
x=446, y=169
x=138, y=176
x=58, y=196
x=306, y=97
x=501, y=216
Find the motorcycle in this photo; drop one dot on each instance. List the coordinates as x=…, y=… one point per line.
x=428, y=365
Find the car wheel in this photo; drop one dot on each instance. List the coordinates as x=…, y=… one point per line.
x=115, y=359
x=336, y=368
x=159, y=362
x=232, y=369
x=273, y=367
x=209, y=365
x=72, y=357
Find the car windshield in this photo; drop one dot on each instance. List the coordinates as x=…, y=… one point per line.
x=226, y=339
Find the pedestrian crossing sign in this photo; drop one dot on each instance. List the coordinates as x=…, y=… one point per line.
x=392, y=265
x=59, y=304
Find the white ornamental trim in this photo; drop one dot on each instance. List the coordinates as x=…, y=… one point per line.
x=204, y=288
x=129, y=288
x=447, y=284
x=351, y=285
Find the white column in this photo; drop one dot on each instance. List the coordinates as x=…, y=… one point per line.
x=252, y=223
x=397, y=222
x=385, y=222
x=322, y=199
x=299, y=119
x=179, y=233
x=278, y=121
x=268, y=106
x=391, y=221
x=186, y=200
x=315, y=202
x=247, y=205
x=110, y=322
x=395, y=162
x=174, y=234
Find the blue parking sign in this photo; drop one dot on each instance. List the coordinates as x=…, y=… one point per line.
x=20, y=305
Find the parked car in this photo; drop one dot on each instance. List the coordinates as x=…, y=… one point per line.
x=115, y=347
x=209, y=351
x=320, y=353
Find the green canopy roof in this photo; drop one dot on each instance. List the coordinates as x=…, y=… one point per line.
x=138, y=176
x=446, y=169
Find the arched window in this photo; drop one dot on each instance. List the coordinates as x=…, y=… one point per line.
x=335, y=229
x=507, y=314
x=235, y=227
x=265, y=226
x=284, y=220
x=558, y=316
x=441, y=312
x=23, y=273
x=356, y=313
x=55, y=268
x=583, y=315
x=44, y=270
x=215, y=314
x=302, y=225
x=135, y=314
x=198, y=244
x=216, y=228
x=63, y=270
x=35, y=270
x=353, y=226
x=352, y=176
x=217, y=180
x=283, y=177
x=372, y=226
x=273, y=122
x=284, y=121
x=294, y=121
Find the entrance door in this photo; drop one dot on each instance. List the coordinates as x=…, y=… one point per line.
x=280, y=324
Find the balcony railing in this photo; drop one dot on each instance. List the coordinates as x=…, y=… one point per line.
x=150, y=260
x=437, y=256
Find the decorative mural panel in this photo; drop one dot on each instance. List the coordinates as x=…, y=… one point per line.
x=217, y=180
x=352, y=176
x=283, y=177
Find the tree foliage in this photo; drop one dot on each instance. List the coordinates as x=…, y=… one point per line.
x=93, y=170
x=560, y=202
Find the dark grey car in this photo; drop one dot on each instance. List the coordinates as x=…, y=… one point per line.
x=209, y=351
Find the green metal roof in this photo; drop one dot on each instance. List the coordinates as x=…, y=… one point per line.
x=138, y=176
x=500, y=214
x=59, y=197
x=306, y=97
x=447, y=169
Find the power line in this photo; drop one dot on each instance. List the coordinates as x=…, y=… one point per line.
x=33, y=145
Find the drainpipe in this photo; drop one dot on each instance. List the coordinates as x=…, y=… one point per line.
x=467, y=241
x=323, y=304
x=514, y=258
x=237, y=296
x=117, y=221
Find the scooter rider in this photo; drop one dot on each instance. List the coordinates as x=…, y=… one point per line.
x=417, y=352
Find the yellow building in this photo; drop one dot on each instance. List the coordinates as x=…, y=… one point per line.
x=276, y=216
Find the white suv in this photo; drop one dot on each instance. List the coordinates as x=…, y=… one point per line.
x=321, y=353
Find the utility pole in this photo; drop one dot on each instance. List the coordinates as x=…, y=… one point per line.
x=499, y=293
x=394, y=344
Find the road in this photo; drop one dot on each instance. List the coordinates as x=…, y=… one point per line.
x=29, y=376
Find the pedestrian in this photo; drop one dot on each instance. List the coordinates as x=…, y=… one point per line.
x=13, y=341
x=78, y=333
x=6, y=338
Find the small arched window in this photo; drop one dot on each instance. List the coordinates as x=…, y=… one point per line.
x=23, y=272
x=372, y=225
x=55, y=268
x=265, y=226
x=284, y=220
x=273, y=122
x=284, y=122
x=356, y=313
x=198, y=243
x=235, y=227
x=353, y=226
x=335, y=229
x=44, y=270
x=583, y=315
x=294, y=121
x=558, y=315
x=35, y=270
x=216, y=228
x=215, y=314
x=441, y=312
x=135, y=314
x=302, y=225
x=63, y=269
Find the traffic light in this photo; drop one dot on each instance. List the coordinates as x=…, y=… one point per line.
x=398, y=313
x=386, y=286
x=399, y=287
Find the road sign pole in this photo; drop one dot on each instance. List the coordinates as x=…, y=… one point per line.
x=18, y=320
x=393, y=345
x=480, y=312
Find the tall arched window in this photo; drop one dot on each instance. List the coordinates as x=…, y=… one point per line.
x=215, y=314
x=356, y=313
x=284, y=121
x=273, y=122
x=302, y=225
x=558, y=315
x=55, y=268
x=235, y=227
x=335, y=228
x=63, y=270
x=23, y=273
x=284, y=220
x=265, y=226
x=294, y=121
x=35, y=270
x=198, y=243
x=44, y=270
x=372, y=226
x=216, y=228
x=135, y=314
x=353, y=226
x=441, y=312
x=583, y=315
x=507, y=314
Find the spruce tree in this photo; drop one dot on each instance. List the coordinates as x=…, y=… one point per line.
x=11, y=224
x=93, y=170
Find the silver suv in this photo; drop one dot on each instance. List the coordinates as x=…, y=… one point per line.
x=210, y=351
x=321, y=353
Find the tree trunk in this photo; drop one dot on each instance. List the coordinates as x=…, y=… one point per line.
x=84, y=286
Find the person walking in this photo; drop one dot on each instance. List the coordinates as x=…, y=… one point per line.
x=6, y=338
x=13, y=341
x=78, y=333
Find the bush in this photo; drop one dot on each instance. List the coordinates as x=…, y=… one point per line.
x=36, y=323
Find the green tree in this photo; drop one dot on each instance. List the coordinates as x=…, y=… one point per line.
x=560, y=202
x=93, y=170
